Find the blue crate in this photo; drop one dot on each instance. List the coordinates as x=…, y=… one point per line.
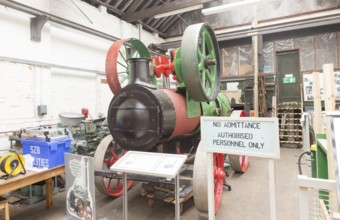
x=46, y=154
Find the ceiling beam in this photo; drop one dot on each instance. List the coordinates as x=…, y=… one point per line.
x=171, y=22
x=134, y=6
x=126, y=5
x=117, y=3
x=110, y=7
x=150, y=12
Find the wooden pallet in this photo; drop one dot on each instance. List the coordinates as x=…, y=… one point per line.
x=169, y=199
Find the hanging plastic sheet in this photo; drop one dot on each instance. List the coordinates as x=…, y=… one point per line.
x=306, y=49
x=265, y=10
x=230, y=61
x=338, y=43
x=246, y=60
x=286, y=44
x=325, y=45
x=268, y=56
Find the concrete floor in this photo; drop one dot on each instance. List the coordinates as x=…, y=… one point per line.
x=249, y=198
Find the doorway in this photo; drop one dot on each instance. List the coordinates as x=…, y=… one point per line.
x=288, y=73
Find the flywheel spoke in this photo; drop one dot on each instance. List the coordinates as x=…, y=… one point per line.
x=108, y=184
x=113, y=152
x=118, y=185
x=203, y=43
x=121, y=54
x=203, y=78
x=200, y=54
x=210, y=79
x=122, y=64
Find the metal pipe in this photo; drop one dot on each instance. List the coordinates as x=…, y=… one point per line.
x=36, y=12
x=49, y=65
x=227, y=7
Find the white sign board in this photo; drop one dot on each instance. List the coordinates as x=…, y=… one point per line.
x=242, y=136
x=336, y=150
x=152, y=164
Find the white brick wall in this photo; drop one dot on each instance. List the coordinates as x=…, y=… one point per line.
x=25, y=86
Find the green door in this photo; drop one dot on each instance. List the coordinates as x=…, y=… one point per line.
x=288, y=73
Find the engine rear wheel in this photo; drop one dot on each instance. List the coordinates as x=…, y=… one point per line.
x=107, y=153
x=239, y=163
x=200, y=179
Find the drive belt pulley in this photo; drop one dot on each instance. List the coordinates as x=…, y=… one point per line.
x=200, y=62
x=12, y=164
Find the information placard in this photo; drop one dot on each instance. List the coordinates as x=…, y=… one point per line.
x=241, y=136
x=153, y=164
x=80, y=198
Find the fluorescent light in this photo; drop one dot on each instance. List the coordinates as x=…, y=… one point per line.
x=179, y=11
x=228, y=7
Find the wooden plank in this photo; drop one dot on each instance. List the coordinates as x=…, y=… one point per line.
x=150, y=195
x=169, y=199
x=256, y=73
x=28, y=179
x=49, y=191
x=144, y=192
x=328, y=80
x=317, y=103
x=6, y=211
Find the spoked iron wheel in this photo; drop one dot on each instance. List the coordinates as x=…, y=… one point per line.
x=239, y=163
x=117, y=66
x=200, y=62
x=106, y=155
x=200, y=179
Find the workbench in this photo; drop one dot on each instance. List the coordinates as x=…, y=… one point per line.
x=17, y=182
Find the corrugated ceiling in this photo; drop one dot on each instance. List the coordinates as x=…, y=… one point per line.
x=144, y=11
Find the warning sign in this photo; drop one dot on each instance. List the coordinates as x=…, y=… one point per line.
x=243, y=136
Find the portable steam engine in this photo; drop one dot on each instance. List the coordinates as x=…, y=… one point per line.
x=143, y=117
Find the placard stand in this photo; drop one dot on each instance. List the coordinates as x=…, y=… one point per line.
x=151, y=164
x=258, y=137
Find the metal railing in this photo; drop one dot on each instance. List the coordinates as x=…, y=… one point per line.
x=317, y=199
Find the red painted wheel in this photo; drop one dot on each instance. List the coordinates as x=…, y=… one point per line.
x=200, y=180
x=107, y=153
x=239, y=163
x=219, y=176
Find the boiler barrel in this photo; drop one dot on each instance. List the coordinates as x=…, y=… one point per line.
x=139, y=117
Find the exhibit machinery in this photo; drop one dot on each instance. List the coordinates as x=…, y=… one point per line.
x=144, y=117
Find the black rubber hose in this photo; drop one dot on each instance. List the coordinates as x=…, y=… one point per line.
x=299, y=161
